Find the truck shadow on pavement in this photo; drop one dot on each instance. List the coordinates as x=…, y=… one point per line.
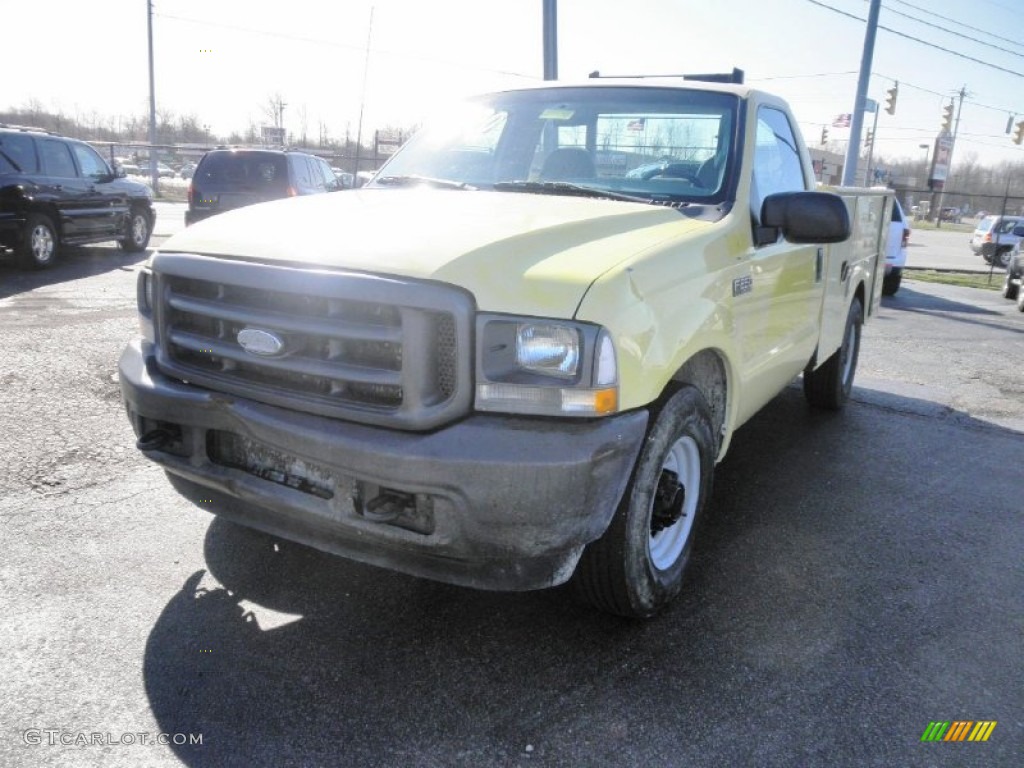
x=909, y=300
x=816, y=596
x=73, y=263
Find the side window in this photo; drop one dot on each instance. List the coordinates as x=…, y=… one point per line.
x=897, y=214
x=90, y=162
x=19, y=151
x=329, y=178
x=57, y=159
x=301, y=171
x=777, y=165
x=316, y=178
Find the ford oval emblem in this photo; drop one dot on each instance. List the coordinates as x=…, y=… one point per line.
x=262, y=343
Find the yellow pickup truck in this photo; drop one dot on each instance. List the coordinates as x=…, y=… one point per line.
x=514, y=358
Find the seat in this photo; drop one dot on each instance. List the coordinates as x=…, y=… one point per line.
x=710, y=172
x=568, y=163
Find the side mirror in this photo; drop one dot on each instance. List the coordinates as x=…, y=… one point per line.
x=807, y=217
x=119, y=172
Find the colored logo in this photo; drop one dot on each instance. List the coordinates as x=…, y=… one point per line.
x=958, y=730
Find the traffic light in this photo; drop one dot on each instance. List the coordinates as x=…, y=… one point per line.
x=947, y=117
x=869, y=139
x=1020, y=133
x=891, y=94
x=824, y=135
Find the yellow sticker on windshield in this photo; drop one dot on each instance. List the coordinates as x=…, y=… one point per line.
x=556, y=113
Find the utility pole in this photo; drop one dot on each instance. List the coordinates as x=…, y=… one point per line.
x=154, y=177
x=853, y=150
x=550, y=39
x=956, y=129
x=362, y=102
x=871, y=106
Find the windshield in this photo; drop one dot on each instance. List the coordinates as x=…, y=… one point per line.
x=656, y=144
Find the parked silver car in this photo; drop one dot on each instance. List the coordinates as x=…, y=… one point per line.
x=994, y=238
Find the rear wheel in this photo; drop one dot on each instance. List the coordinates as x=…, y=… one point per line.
x=829, y=386
x=1010, y=289
x=136, y=236
x=637, y=566
x=1002, y=258
x=891, y=282
x=39, y=246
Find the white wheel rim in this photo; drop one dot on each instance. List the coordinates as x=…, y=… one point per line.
x=42, y=243
x=139, y=229
x=667, y=544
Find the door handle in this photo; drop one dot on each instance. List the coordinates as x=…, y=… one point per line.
x=58, y=187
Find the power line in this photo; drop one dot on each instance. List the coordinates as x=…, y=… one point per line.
x=332, y=44
x=949, y=31
x=794, y=77
x=919, y=40
x=962, y=24
x=1003, y=110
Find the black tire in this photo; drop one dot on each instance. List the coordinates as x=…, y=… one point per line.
x=1010, y=289
x=637, y=566
x=1020, y=300
x=38, y=249
x=137, y=231
x=1002, y=259
x=830, y=385
x=891, y=282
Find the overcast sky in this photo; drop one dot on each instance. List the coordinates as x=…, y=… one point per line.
x=222, y=59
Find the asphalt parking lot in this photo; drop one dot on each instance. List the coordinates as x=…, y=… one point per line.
x=860, y=576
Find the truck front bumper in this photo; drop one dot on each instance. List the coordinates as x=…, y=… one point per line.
x=493, y=502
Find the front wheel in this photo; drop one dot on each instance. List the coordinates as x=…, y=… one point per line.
x=137, y=232
x=39, y=247
x=637, y=566
x=829, y=385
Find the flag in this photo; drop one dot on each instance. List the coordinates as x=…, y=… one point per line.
x=842, y=121
x=636, y=125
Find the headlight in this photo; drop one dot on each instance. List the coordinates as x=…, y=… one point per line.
x=545, y=367
x=548, y=349
x=146, y=296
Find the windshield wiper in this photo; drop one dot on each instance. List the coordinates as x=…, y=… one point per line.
x=565, y=188
x=404, y=181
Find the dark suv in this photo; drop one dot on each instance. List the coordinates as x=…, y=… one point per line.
x=56, y=191
x=232, y=178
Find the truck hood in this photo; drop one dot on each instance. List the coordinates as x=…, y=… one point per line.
x=516, y=252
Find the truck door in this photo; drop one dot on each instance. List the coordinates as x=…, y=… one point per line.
x=778, y=291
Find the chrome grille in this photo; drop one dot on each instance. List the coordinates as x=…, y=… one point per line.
x=356, y=346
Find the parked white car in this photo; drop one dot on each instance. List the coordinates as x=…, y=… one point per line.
x=896, y=250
